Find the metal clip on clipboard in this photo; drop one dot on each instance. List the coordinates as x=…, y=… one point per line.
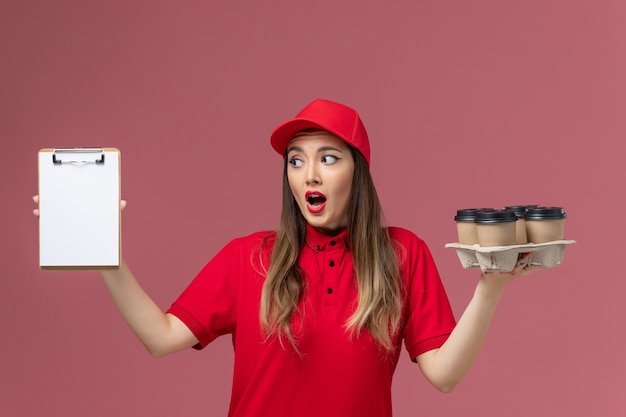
x=78, y=156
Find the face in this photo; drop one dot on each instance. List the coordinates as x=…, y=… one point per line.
x=320, y=170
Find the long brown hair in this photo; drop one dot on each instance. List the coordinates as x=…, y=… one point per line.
x=375, y=262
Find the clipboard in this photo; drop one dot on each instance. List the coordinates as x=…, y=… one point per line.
x=79, y=208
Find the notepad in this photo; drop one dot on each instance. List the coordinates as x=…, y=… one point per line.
x=79, y=208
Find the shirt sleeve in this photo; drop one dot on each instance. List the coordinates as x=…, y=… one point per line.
x=208, y=306
x=429, y=319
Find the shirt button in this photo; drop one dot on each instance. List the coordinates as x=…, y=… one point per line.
x=329, y=290
x=317, y=248
x=333, y=243
x=331, y=263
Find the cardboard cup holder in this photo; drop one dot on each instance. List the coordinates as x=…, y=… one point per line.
x=504, y=258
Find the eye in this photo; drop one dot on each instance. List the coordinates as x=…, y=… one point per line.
x=329, y=159
x=295, y=162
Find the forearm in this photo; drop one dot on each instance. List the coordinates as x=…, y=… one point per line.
x=159, y=333
x=446, y=366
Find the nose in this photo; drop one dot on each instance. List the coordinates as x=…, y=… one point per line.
x=312, y=175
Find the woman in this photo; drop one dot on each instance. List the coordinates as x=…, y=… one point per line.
x=319, y=309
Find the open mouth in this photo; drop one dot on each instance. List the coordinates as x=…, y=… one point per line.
x=315, y=200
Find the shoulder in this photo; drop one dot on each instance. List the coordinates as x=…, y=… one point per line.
x=253, y=250
x=253, y=242
x=410, y=247
x=255, y=239
x=404, y=236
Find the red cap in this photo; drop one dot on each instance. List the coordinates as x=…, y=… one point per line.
x=338, y=119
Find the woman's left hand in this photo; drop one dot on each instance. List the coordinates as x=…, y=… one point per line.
x=522, y=269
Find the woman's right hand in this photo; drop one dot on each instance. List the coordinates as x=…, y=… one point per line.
x=36, y=201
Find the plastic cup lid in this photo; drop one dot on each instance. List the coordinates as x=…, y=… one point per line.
x=467, y=215
x=495, y=216
x=520, y=211
x=545, y=213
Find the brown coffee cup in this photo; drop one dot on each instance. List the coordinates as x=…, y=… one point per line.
x=465, y=226
x=545, y=224
x=520, y=225
x=495, y=227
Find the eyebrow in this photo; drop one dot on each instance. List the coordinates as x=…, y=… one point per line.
x=322, y=149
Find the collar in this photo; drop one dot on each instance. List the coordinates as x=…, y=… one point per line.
x=318, y=240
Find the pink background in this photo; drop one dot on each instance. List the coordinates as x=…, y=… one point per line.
x=482, y=103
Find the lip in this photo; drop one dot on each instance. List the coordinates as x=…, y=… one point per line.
x=314, y=209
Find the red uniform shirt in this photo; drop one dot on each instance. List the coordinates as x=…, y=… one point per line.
x=335, y=375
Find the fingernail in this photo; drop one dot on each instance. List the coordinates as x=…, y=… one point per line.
x=522, y=263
